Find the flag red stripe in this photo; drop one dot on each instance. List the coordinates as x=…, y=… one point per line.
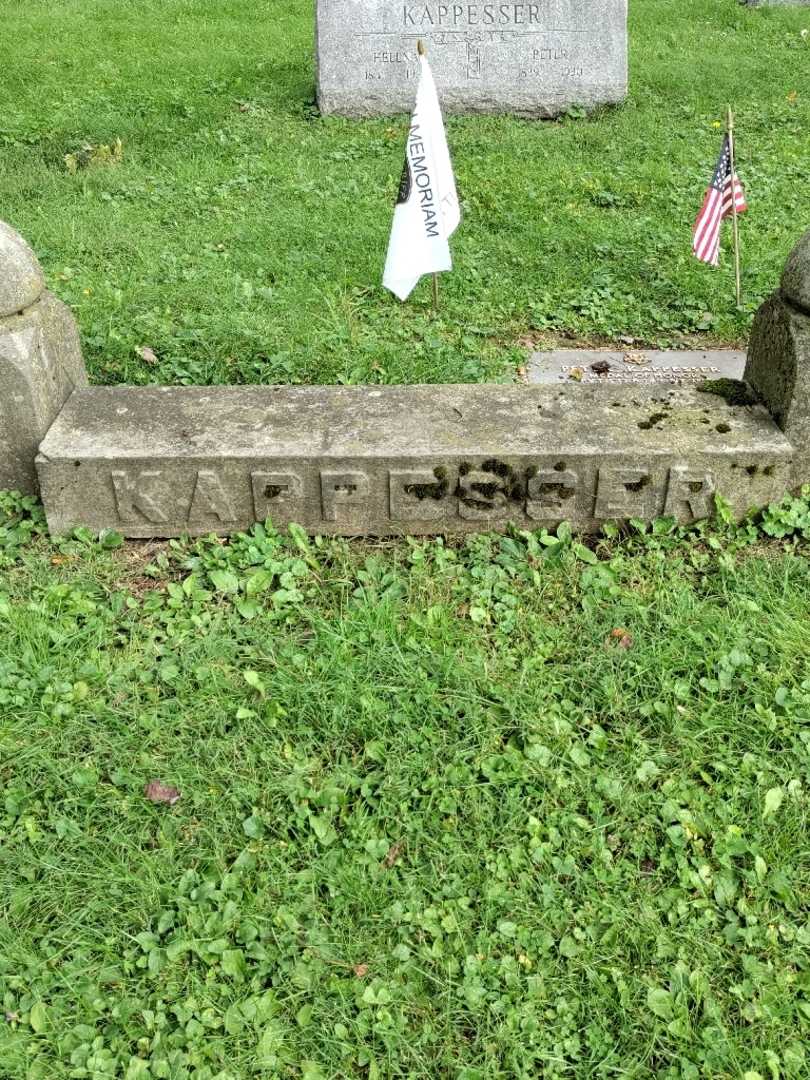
x=725, y=196
x=739, y=197
x=716, y=207
x=704, y=246
x=712, y=218
x=711, y=247
x=705, y=216
x=711, y=241
x=707, y=241
x=707, y=226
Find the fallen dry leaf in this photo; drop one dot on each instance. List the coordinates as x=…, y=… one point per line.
x=147, y=355
x=158, y=792
x=619, y=636
x=575, y=374
x=637, y=358
x=393, y=855
x=792, y=96
x=360, y=970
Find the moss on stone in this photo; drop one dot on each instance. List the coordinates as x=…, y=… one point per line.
x=652, y=420
x=435, y=491
x=733, y=391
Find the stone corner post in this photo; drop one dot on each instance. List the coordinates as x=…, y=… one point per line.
x=40, y=361
x=778, y=364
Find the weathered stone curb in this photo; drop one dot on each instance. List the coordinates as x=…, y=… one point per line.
x=402, y=459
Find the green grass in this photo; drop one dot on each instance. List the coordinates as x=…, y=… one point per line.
x=436, y=819
x=242, y=237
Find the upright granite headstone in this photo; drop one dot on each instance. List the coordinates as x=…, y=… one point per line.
x=40, y=361
x=532, y=59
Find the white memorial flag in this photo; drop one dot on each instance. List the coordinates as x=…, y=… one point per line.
x=427, y=211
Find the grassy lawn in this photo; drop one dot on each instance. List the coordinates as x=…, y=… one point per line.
x=515, y=807
x=242, y=238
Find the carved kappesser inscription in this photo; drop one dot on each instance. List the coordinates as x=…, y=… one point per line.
x=444, y=15
x=475, y=491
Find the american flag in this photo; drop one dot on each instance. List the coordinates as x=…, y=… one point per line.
x=716, y=207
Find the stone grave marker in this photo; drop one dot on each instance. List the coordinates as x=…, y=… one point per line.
x=533, y=59
x=644, y=367
x=161, y=461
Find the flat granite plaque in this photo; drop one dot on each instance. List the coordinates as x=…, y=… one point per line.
x=165, y=461
x=531, y=59
x=645, y=367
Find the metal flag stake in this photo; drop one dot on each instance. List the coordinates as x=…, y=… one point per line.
x=734, y=222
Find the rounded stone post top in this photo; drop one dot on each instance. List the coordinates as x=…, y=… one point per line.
x=21, y=279
x=796, y=277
